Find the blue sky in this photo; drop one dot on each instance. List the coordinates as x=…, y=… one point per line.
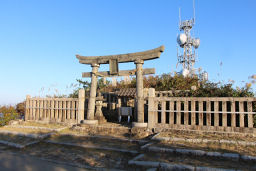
x=39, y=39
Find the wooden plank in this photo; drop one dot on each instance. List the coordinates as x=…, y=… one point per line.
x=208, y=114
x=60, y=111
x=129, y=57
x=44, y=109
x=178, y=113
x=73, y=110
x=201, y=115
x=68, y=110
x=48, y=106
x=216, y=113
x=64, y=107
x=145, y=71
x=37, y=109
x=233, y=114
x=224, y=115
x=30, y=117
x=186, y=116
x=41, y=103
x=34, y=110
x=250, y=116
x=56, y=109
x=163, y=114
x=241, y=116
x=27, y=113
x=193, y=114
x=171, y=114
x=52, y=109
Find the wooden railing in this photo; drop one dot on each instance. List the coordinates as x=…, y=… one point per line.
x=229, y=114
x=68, y=110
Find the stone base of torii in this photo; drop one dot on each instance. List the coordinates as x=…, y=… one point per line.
x=113, y=60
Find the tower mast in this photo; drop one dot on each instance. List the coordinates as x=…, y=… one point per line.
x=188, y=44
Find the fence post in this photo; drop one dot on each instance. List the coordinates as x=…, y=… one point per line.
x=81, y=101
x=151, y=108
x=216, y=113
x=186, y=116
x=193, y=113
x=208, y=114
x=250, y=116
x=27, y=108
x=233, y=114
x=241, y=115
x=171, y=114
x=201, y=114
x=163, y=112
x=224, y=114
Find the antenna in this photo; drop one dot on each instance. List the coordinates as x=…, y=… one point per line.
x=188, y=43
x=194, y=10
x=179, y=17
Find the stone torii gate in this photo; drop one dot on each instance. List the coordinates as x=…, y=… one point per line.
x=113, y=60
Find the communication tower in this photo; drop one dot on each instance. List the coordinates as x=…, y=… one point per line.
x=187, y=46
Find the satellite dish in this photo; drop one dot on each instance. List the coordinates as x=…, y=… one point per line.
x=182, y=39
x=185, y=72
x=196, y=42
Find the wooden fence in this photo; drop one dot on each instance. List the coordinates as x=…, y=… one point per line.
x=228, y=114
x=66, y=110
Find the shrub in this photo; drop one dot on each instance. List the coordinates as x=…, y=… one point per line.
x=9, y=113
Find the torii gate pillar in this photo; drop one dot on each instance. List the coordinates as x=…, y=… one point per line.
x=91, y=103
x=139, y=91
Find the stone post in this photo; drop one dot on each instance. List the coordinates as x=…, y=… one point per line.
x=81, y=100
x=151, y=108
x=27, y=108
x=139, y=94
x=91, y=103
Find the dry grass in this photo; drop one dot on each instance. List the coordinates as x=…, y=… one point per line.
x=71, y=132
x=36, y=124
x=210, y=136
x=25, y=130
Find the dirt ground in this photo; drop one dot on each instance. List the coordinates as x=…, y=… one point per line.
x=109, y=137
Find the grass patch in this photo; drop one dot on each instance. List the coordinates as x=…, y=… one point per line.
x=36, y=124
x=25, y=130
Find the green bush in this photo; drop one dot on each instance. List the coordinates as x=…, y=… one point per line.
x=9, y=113
x=166, y=82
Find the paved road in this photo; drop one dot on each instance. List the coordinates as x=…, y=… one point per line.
x=18, y=162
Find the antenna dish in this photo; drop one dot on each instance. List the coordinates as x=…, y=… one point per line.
x=196, y=43
x=182, y=39
x=185, y=73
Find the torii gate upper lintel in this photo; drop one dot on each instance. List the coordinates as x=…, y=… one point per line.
x=138, y=58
